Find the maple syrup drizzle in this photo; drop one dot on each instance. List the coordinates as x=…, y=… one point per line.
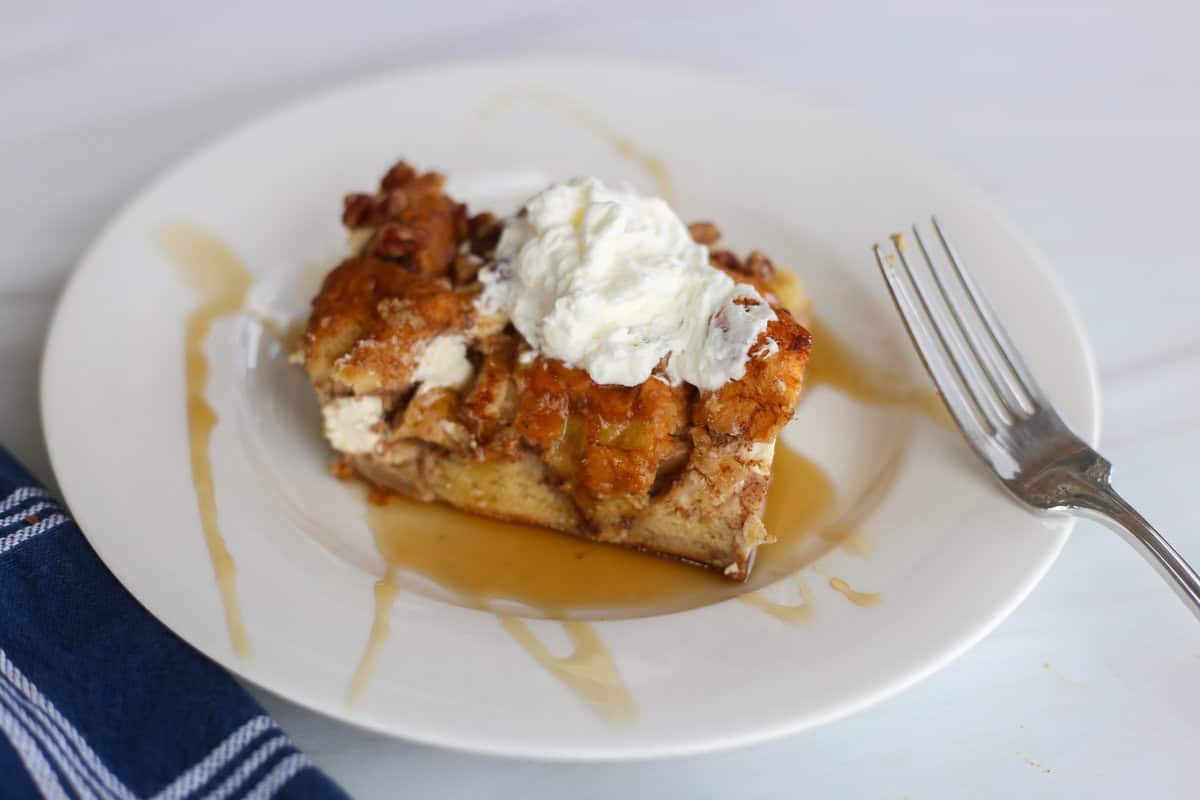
x=589, y=671
x=220, y=281
x=653, y=166
x=835, y=365
x=791, y=614
x=386, y=593
x=864, y=599
x=479, y=562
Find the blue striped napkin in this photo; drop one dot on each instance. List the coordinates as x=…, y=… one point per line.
x=98, y=699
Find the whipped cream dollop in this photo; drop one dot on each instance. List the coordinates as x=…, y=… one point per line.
x=611, y=281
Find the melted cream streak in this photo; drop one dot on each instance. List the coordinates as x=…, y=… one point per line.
x=221, y=282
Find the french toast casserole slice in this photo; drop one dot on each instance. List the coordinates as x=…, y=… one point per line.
x=425, y=394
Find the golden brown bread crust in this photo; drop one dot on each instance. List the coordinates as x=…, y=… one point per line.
x=662, y=468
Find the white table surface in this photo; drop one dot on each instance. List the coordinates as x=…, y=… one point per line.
x=1081, y=120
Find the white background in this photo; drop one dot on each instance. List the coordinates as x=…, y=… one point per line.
x=1082, y=121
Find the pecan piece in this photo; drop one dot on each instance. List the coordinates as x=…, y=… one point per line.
x=393, y=203
x=397, y=240
x=356, y=208
x=397, y=176
x=704, y=232
x=725, y=260
x=758, y=265
x=462, y=222
x=484, y=231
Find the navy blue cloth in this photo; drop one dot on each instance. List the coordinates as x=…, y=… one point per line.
x=98, y=699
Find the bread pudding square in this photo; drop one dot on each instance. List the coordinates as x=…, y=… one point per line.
x=430, y=390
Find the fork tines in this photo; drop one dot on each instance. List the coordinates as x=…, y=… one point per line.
x=975, y=365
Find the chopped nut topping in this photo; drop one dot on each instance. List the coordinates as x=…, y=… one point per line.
x=396, y=240
x=484, y=231
x=356, y=209
x=704, y=233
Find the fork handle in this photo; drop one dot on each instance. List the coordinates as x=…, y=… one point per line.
x=1103, y=503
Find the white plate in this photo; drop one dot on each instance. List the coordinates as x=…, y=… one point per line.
x=952, y=556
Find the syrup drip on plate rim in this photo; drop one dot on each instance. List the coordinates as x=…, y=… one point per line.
x=221, y=282
x=386, y=593
x=651, y=165
x=864, y=599
x=791, y=614
x=589, y=671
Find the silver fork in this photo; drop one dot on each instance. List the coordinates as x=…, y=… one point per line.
x=1001, y=409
